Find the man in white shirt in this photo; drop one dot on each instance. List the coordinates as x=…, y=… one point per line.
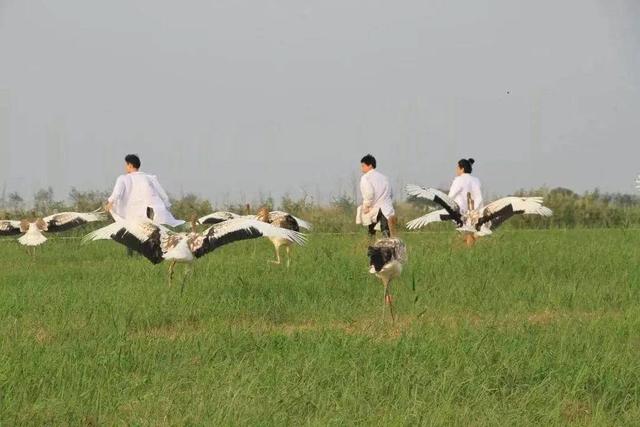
x=139, y=195
x=377, y=198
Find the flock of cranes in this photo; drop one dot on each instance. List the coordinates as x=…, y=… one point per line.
x=157, y=243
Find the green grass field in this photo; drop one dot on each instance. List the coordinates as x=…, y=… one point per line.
x=529, y=327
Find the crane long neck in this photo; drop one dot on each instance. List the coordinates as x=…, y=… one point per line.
x=470, y=203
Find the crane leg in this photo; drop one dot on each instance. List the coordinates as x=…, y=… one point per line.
x=288, y=248
x=388, y=300
x=470, y=240
x=171, y=269
x=188, y=271
x=277, y=260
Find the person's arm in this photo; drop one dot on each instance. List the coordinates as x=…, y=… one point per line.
x=158, y=188
x=368, y=194
x=117, y=194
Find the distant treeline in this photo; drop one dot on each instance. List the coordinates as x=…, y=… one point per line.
x=570, y=210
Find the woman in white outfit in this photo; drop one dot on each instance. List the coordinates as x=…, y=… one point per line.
x=464, y=189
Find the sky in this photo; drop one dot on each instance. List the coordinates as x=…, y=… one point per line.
x=237, y=99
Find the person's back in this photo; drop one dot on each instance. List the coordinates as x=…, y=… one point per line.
x=476, y=192
x=142, y=189
x=461, y=186
x=382, y=191
x=377, y=198
x=140, y=195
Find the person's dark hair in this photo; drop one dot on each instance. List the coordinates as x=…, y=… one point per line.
x=369, y=160
x=466, y=165
x=133, y=160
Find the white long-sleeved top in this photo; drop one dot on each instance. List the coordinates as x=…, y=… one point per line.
x=376, y=194
x=462, y=185
x=137, y=191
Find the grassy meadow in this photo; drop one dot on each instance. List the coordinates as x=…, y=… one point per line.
x=529, y=327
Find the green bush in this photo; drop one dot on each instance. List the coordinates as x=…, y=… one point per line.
x=570, y=210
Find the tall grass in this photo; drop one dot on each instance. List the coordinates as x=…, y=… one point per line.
x=529, y=327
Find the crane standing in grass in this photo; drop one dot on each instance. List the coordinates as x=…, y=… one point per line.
x=386, y=259
x=285, y=221
x=278, y=219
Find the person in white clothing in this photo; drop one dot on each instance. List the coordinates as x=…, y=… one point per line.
x=466, y=188
x=377, y=198
x=139, y=195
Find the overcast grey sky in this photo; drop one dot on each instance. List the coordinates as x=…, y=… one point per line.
x=230, y=98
